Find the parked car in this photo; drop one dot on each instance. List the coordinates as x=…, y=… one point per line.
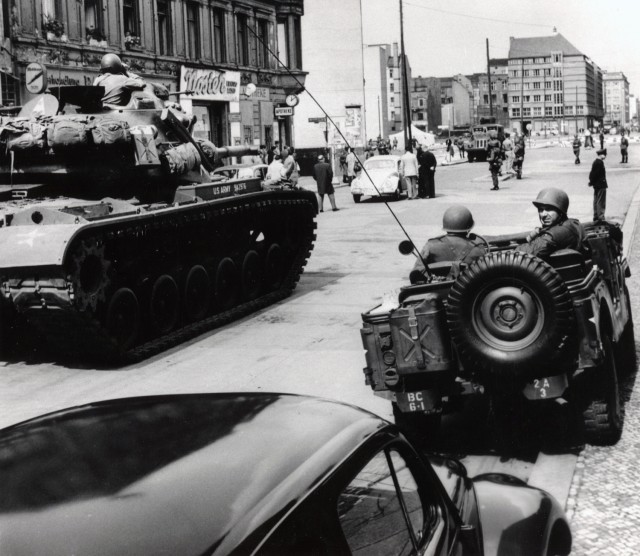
x=381, y=179
x=241, y=171
x=252, y=474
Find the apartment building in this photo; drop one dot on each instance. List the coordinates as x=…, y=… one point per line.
x=616, y=99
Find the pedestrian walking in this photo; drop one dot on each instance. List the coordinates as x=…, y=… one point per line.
x=576, y=148
x=351, y=165
x=518, y=155
x=598, y=180
x=409, y=169
x=323, y=174
x=495, y=166
x=601, y=139
x=461, y=147
x=624, y=148
x=507, y=149
x=588, y=139
x=426, y=173
x=343, y=165
x=395, y=143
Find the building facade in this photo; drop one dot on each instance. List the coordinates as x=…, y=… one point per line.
x=212, y=48
x=616, y=99
x=491, y=100
x=425, y=103
x=377, y=90
x=332, y=50
x=552, y=86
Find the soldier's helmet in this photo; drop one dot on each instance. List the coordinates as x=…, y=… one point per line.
x=457, y=218
x=553, y=197
x=111, y=63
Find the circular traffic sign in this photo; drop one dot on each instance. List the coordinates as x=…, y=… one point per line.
x=36, y=78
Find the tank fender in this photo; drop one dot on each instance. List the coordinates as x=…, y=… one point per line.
x=25, y=246
x=516, y=518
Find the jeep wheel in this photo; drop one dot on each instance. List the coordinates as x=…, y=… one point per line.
x=603, y=415
x=510, y=312
x=625, y=348
x=420, y=427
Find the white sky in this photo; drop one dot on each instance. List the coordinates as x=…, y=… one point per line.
x=442, y=44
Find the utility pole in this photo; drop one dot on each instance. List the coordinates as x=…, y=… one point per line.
x=408, y=139
x=489, y=82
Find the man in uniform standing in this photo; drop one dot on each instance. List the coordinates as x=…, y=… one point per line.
x=507, y=148
x=557, y=231
x=117, y=82
x=576, y=148
x=624, y=147
x=457, y=245
x=598, y=180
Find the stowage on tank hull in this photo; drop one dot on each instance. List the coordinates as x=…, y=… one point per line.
x=113, y=281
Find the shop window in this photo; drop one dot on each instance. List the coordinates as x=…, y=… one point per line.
x=164, y=27
x=193, y=30
x=263, y=43
x=130, y=18
x=9, y=90
x=243, y=40
x=219, y=36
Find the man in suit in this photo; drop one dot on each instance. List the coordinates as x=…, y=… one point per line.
x=598, y=180
x=323, y=174
x=426, y=173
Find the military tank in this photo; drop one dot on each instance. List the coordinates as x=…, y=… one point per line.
x=116, y=240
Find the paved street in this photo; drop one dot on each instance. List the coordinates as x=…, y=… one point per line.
x=311, y=343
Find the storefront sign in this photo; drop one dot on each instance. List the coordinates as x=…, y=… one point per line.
x=210, y=84
x=36, y=78
x=235, y=117
x=261, y=93
x=283, y=111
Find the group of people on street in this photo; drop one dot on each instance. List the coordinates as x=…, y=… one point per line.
x=419, y=172
x=283, y=169
x=510, y=151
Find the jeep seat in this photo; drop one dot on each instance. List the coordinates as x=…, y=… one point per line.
x=570, y=264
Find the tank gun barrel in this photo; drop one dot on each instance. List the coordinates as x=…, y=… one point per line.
x=236, y=150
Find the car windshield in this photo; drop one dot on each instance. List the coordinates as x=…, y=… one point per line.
x=380, y=165
x=244, y=173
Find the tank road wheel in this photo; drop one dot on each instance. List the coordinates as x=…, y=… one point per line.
x=274, y=267
x=196, y=293
x=251, y=275
x=164, y=304
x=123, y=318
x=90, y=275
x=226, y=284
x=603, y=415
x=509, y=312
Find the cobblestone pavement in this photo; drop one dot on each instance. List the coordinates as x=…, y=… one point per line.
x=604, y=500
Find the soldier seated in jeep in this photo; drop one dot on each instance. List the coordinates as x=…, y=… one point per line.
x=458, y=245
x=557, y=231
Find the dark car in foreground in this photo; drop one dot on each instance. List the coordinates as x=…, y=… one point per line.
x=252, y=474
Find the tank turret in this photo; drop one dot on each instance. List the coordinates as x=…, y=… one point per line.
x=116, y=239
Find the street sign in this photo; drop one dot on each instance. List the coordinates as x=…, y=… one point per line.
x=318, y=120
x=283, y=111
x=36, y=78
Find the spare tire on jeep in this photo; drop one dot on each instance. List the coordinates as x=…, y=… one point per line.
x=511, y=313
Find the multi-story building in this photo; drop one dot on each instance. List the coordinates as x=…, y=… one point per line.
x=395, y=91
x=425, y=103
x=213, y=48
x=377, y=90
x=616, y=99
x=552, y=85
x=333, y=56
x=495, y=103
x=456, y=99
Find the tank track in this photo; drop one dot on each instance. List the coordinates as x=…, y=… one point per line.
x=79, y=327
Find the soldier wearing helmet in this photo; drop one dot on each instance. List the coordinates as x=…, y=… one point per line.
x=118, y=83
x=557, y=230
x=457, y=245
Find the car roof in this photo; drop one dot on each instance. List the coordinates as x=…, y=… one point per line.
x=183, y=474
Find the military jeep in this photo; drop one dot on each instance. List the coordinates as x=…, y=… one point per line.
x=512, y=327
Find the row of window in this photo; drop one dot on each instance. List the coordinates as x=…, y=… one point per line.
x=546, y=72
x=556, y=58
x=556, y=98
x=247, y=38
x=536, y=111
x=556, y=84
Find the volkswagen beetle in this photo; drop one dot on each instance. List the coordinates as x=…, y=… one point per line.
x=383, y=179
x=251, y=474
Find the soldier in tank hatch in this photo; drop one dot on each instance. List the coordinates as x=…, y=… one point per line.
x=457, y=245
x=118, y=83
x=558, y=231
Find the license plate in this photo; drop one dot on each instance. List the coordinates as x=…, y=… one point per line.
x=423, y=401
x=545, y=388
